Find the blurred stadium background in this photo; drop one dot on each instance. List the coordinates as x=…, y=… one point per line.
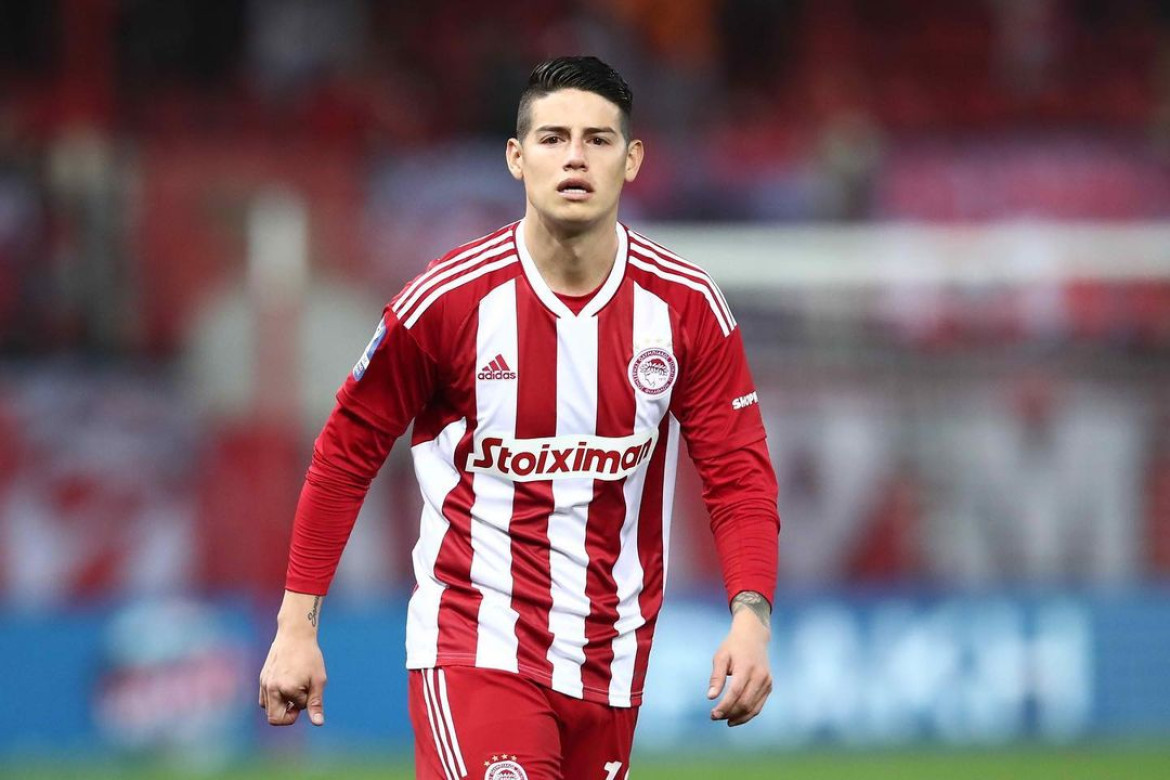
x=944, y=225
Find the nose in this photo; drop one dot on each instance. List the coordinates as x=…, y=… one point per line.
x=575, y=155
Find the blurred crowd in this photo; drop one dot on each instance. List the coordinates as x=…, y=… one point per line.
x=135, y=136
x=133, y=132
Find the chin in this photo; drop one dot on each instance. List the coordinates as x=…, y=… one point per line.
x=577, y=223
x=579, y=214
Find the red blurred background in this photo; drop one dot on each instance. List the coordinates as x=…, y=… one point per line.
x=158, y=412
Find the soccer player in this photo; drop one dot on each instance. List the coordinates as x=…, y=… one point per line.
x=551, y=369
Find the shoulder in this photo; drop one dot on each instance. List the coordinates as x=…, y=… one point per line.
x=461, y=277
x=684, y=285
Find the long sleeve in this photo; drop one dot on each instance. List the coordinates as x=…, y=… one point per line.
x=346, y=456
x=389, y=385
x=739, y=489
x=718, y=408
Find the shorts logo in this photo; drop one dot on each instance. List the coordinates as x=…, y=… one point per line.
x=652, y=371
x=359, y=370
x=504, y=768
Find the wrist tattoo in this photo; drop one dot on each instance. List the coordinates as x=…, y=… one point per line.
x=753, y=601
x=313, y=612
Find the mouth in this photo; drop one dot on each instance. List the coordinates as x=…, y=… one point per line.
x=575, y=189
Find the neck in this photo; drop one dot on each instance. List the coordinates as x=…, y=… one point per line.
x=571, y=263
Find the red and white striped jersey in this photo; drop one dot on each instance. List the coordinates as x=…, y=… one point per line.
x=545, y=443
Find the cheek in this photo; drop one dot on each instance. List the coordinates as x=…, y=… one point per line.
x=615, y=170
x=541, y=170
x=621, y=175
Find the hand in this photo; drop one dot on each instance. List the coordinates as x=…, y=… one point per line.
x=293, y=677
x=744, y=656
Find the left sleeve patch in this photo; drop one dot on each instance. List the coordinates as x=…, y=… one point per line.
x=744, y=401
x=359, y=369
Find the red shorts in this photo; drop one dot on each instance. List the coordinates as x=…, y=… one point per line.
x=484, y=723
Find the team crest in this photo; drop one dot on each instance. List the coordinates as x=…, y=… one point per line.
x=504, y=768
x=653, y=370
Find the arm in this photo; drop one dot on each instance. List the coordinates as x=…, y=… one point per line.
x=717, y=407
x=345, y=458
x=385, y=391
x=740, y=492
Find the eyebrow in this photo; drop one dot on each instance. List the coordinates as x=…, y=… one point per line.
x=588, y=130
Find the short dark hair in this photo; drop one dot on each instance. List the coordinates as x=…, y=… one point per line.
x=585, y=73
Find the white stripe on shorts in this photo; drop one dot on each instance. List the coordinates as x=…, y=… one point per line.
x=445, y=708
x=437, y=728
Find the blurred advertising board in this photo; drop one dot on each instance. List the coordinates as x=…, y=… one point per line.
x=886, y=670
x=172, y=678
x=152, y=678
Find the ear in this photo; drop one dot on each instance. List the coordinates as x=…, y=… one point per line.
x=515, y=158
x=634, y=154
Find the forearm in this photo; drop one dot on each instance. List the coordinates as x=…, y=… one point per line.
x=300, y=614
x=346, y=456
x=321, y=529
x=748, y=553
x=739, y=489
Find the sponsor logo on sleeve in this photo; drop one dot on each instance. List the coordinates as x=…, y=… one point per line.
x=561, y=457
x=359, y=369
x=744, y=401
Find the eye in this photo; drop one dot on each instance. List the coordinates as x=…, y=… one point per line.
x=600, y=141
x=550, y=139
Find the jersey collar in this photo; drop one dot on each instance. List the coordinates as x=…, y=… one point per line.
x=549, y=298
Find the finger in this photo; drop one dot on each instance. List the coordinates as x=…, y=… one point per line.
x=765, y=692
x=728, y=705
x=719, y=669
x=746, y=716
x=753, y=687
x=271, y=710
x=281, y=709
x=297, y=699
x=274, y=706
x=288, y=715
x=741, y=719
x=266, y=695
x=316, y=701
x=752, y=701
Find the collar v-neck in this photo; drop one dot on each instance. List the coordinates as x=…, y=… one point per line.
x=549, y=298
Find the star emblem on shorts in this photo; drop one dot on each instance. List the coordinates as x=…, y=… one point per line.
x=501, y=757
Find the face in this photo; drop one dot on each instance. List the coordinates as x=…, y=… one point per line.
x=574, y=160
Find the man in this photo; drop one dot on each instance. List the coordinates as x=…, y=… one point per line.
x=550, y=369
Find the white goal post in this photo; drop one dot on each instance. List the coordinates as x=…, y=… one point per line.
x=762, y=259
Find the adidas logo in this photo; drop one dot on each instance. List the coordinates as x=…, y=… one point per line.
x=497, y=369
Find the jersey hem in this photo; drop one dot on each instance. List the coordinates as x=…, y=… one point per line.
x=306, y=587
x=596, y=695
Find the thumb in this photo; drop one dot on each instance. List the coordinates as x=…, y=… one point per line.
x=718, y=675
x=316, y=706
